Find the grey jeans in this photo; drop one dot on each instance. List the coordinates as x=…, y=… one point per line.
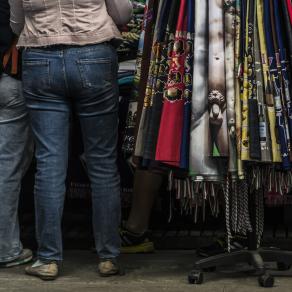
x=15, y=155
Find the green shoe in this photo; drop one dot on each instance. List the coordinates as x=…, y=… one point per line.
x=44, y=271
x=23, y=258
x=135, y=243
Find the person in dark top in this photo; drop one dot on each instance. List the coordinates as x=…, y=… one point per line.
x=15, y=144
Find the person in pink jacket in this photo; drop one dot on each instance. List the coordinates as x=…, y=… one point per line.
x=70, y=64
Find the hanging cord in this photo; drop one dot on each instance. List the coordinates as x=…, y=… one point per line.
x=259, y=201
x=234, y=207
x=260, y=216
x=226, y=190
x=244, y=224
x=247, y=225
x=240, y=221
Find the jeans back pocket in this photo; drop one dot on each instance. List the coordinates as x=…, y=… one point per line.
x=95, y=73
x=36, y=73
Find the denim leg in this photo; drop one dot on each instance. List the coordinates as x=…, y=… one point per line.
x=49, y=112
x=15, y=156
x=100, y=136
x=50, y=130
x=97, y=107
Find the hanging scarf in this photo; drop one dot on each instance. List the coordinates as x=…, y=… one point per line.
x=250, y=148
x=279, y=53
x=216, y=80
x=229, y=28
x=289, y=8
x=284, y=70
x=244, y=151
x=188, y=80
x=170, y=133
x=238, y=84
x=253, y=115
x=133, y=118
x=288, y=27
x=265, y=141
x=276, y=87
x=147, y=83
x=167, y=29
x=269, y=99
x=202, y=165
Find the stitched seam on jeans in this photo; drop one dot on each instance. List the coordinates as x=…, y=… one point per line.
x=94, y=61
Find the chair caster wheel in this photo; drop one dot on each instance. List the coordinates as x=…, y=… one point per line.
x=266, y=281
x=196, y=277
x=210, y=269
x=283, y=266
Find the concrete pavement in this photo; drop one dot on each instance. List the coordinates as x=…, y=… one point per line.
x=161, y=271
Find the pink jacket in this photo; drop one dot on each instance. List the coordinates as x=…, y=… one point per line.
x=79, y=22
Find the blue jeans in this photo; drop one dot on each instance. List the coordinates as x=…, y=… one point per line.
x=15, y=155
x=57, y=80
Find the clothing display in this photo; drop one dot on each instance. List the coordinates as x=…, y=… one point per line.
x=142, y=53
x=131, y=33
x=217, y=104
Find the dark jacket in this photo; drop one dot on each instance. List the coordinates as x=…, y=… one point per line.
x=6, y=36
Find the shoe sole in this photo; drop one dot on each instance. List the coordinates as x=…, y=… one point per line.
x=17, y=263
x=118, y=273
x=44, y=278
x=147, y=247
